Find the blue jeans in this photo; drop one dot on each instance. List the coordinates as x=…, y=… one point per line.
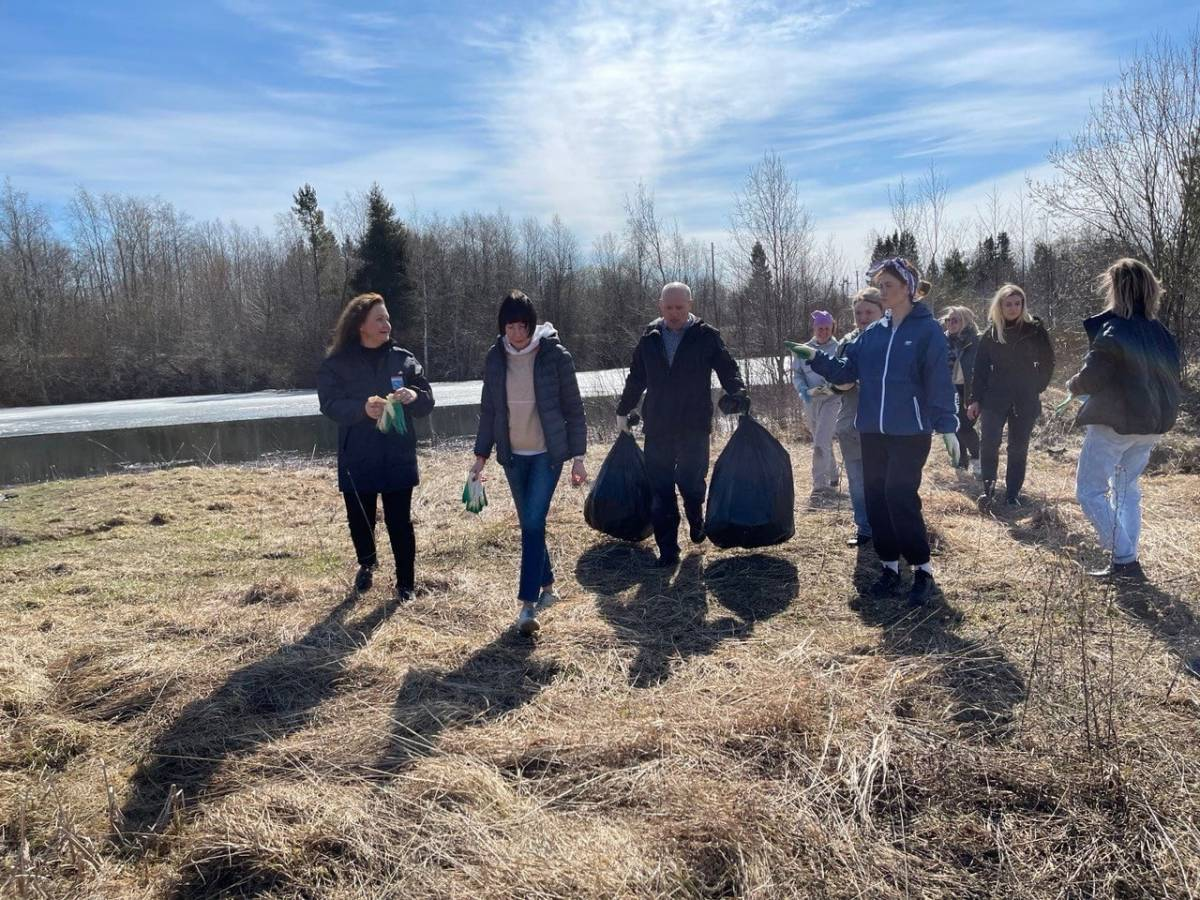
x=532, y=480
x=852, y=459
x=1106, y=485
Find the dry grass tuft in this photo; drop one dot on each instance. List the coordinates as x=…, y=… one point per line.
x=208, y=709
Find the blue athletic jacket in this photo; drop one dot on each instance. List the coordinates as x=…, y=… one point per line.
x=903, y=376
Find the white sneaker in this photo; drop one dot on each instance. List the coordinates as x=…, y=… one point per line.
x=548, y=598
x=527, y=622
x=976, y=468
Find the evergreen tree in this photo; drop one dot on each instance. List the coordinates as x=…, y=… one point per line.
x=383, y=257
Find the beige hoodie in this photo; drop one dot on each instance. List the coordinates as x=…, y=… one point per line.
x=524, y=424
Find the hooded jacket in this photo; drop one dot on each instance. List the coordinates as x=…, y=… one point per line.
x=1130, y=376
x=1015, y=372
x=555, y=388
x=679, y=393
x=369, y=461
x=903, y=375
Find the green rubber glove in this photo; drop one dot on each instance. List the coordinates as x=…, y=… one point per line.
x=800, y=350
x=952, y=448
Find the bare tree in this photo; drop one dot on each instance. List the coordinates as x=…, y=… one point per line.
x=1131, y=175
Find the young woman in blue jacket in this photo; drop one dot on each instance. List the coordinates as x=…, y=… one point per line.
x=901, y=364
x=363, y=370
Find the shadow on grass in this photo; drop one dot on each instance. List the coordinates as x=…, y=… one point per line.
x=667, y=618
x=494, y=680
x=985, y=684
x=259, y=703
x=1167, y=616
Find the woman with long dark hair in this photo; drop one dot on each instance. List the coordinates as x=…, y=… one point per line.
x=531, y=413
x=366, y=375
x=901, y=364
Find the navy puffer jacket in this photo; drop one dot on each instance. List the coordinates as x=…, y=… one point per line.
x=556, y=390
x=1131, y=375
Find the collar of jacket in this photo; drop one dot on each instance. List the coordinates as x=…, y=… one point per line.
x=919, y=311
x=656, y=327
x=1093, y=325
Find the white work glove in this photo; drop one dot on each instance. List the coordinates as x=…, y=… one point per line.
x=952, y=448
x=821, y=390
x=623, y=423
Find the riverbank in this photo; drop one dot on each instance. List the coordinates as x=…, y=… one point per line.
x=182, y=653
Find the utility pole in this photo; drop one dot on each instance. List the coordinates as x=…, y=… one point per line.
x=712, y=275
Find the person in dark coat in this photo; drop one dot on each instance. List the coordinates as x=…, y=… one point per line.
x=364, y=370
x=1014, y=366
x=1131, y=384
x=672, y=365
x=531, y=413
x=962, y=335
x=905, y=395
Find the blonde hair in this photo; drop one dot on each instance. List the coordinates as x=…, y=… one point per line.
x=1130, y=286
x=964, y=313
x=996, y=314
x=868, y=295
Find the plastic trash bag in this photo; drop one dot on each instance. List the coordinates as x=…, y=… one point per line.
x=619, y=502
x=474, y=497
x=751, y=498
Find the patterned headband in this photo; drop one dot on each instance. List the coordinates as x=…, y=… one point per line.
x=897, y=266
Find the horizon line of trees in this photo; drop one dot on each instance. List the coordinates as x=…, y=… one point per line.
x=132, y=298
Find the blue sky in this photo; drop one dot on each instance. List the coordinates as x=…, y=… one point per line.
x=225, y=108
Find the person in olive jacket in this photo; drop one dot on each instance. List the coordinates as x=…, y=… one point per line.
x=362, y=371
x=1013, y=368
x=531, y=412
x=673, y=364
x=1131, y=384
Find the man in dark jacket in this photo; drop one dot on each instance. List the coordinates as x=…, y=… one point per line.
x=673, y=364
x=1131, y=382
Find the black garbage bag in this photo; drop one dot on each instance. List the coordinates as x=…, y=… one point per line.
x=619, y=502
x=751, y=498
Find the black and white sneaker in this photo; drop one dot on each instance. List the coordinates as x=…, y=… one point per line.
x=527, y=622
x=1130, y=571
x=858, y=540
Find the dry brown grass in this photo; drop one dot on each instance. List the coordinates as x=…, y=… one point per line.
x=193, y=704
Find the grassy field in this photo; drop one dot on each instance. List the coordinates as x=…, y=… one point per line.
x=193, y=703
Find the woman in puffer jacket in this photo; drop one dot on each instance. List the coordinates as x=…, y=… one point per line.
x=1131, y=384
x=532, y=414
x=1013, y=368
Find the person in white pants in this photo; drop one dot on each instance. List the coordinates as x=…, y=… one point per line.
x=1130, y=382
x=821, y=406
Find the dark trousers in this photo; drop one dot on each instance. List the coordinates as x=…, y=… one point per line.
x=676, y=460
x=968, y=438
x=892, y=468
x=397, y=516
x=1020, y=417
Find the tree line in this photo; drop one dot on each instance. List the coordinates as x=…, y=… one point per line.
x=129, y=297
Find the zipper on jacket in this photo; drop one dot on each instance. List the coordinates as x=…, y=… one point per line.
x=917, y=410
x=883, y=384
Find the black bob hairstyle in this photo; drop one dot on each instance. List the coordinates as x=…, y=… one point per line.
x=515, y=306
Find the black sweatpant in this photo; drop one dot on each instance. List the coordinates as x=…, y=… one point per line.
x=677, y=459
x=1020, y=417
x=892, y=469
x=968, y=437
x=397, y=516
